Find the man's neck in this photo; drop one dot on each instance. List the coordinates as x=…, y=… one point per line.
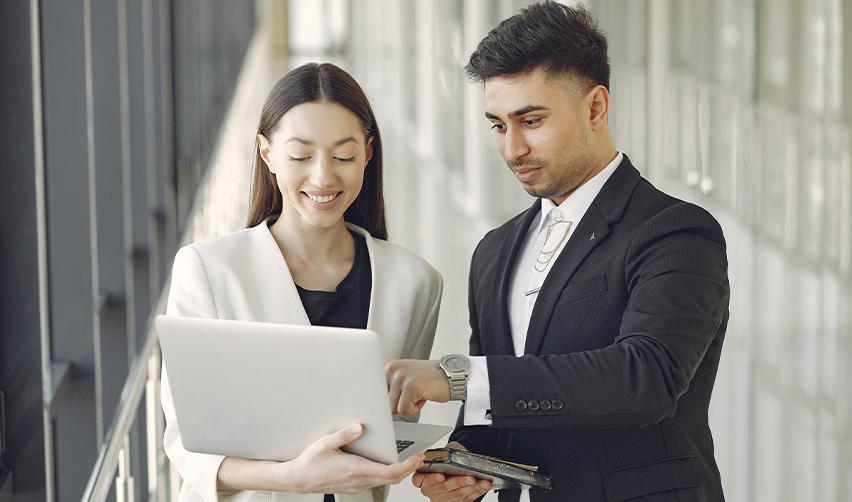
x=601, y=161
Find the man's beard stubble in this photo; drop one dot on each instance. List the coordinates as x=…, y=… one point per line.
x=569, y=174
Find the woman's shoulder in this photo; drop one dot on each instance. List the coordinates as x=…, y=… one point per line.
x=405, y=261
x=226, y=248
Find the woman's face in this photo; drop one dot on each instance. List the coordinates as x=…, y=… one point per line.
x=318, y=154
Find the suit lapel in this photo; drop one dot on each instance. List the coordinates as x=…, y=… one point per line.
x=575, y=251
x=607, y=208
x=508, y=255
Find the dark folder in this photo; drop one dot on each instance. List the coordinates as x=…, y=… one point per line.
x=503, y=474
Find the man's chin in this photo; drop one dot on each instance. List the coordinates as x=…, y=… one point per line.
x=540, y=192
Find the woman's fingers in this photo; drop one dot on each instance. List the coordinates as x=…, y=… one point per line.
x=341, y=438
x=379, y=474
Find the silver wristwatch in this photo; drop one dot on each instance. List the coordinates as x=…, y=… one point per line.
x=457, y=368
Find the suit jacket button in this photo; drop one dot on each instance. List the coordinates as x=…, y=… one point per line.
x=545, y=405
x=532, y=405
x=521, y=405
x=557, y=404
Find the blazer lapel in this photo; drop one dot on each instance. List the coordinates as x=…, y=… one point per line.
x=375, y=317
x=387, y=293
x=283, y=302
x=607, y=208
x=508, y=254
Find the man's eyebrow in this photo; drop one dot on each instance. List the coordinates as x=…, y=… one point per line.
x=518, y=112
x=309, y=142
x=526, y=109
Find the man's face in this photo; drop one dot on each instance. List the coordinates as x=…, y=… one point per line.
x=542, y=130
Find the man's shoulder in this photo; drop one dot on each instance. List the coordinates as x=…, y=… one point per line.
x=494, y=238
x=651, y=208
x=650, y=200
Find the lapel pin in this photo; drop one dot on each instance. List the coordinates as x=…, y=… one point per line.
x=592, y=237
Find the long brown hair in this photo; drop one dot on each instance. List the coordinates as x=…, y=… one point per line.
x=320, y=83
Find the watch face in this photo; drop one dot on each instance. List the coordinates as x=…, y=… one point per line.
x=457, y=363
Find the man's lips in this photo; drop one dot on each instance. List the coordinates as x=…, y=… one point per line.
x=527, y=174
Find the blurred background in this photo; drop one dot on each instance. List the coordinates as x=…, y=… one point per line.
x=127, y=128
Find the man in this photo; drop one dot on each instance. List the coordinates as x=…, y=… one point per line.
x=598, y=314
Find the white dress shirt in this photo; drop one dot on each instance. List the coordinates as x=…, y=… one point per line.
x=528, y=274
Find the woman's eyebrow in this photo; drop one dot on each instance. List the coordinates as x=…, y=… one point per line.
x=345, y=140
x=309, y=142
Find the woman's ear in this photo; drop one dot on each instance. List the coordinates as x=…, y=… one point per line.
x=263, y=149
x=368, y=150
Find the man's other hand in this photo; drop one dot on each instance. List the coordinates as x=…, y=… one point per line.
x=442, y=488
x=412, y=382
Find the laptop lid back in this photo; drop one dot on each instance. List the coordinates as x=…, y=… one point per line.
x=267, y=391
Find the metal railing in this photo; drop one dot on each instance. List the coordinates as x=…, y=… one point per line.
x=115, y=454
x=219, y=206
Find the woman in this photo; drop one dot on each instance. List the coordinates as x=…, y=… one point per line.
x=314, y=252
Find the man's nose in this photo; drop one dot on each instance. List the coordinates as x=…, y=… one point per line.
x=515, y=146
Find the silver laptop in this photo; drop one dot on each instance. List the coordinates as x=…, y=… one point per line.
x=267, y=391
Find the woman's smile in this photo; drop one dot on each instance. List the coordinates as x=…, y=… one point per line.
x=322, y=200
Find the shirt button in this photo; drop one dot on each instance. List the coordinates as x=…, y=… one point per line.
x=545, y=405
x=557, y=404
x=521, y=405
x=532, y=405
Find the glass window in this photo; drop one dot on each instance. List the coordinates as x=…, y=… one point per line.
x=449, y=79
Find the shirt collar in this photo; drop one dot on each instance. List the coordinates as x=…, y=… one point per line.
x=574, y=207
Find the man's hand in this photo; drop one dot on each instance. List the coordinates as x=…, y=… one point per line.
x=441, y=488
x=412, y=382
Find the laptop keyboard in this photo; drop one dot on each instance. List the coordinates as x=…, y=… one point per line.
x=402, y=444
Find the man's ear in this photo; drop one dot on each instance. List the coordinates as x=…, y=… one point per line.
x=598, y=102
x=368, y=150
x=263, y=148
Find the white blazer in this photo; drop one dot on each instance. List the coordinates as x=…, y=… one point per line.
x=243, y=276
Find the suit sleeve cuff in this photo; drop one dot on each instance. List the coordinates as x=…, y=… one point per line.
x=478, y=402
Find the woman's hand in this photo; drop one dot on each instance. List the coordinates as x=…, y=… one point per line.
x=324, y=468
x=321, y=468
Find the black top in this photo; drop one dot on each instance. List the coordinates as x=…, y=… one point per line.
x=349, y=305
x=346, y=307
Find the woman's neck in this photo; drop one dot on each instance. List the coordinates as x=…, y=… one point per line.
x=307, y=243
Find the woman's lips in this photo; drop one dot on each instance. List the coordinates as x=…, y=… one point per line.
x=325, y=200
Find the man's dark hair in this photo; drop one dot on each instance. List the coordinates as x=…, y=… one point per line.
x=564, y=41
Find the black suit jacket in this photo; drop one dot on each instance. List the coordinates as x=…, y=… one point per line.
x=612, y=393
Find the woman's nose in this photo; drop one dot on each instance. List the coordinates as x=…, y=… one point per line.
x=322, y=173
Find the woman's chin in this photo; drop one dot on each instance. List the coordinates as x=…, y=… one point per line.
x=321, y=219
